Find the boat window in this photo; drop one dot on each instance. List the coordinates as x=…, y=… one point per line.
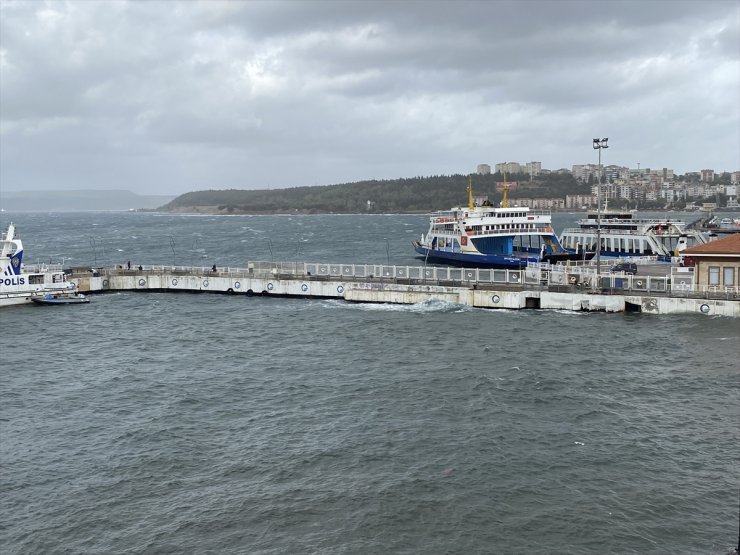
x=36, y=279
x=713, y=275
x=729, y=276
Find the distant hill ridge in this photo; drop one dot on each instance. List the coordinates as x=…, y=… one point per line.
x=79, y=200
x=415, y=194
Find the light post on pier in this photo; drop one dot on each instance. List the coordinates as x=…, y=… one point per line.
x=598, y=145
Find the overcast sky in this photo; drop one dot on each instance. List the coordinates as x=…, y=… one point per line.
x=169, y=97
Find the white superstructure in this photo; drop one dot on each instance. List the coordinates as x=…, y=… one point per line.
x=20, y=284
x=624, y=235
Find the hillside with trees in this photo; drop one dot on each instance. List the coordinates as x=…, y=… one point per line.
x=406, y=195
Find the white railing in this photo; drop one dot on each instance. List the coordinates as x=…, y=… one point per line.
x=540, y=275
x=41, y=268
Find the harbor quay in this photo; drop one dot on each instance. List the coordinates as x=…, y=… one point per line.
x=540, y=286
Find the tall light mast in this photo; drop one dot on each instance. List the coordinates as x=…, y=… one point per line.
x=598, y=145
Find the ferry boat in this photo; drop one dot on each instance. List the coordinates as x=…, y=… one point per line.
x=481, y=235
x=715, y=225
x=20, y=284
x=623, y=234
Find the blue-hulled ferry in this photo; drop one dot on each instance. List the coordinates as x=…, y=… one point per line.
x=481, y=235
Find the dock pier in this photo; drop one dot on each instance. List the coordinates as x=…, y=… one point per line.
x=542, y=286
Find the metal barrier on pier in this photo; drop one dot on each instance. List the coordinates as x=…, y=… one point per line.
x=557, y=277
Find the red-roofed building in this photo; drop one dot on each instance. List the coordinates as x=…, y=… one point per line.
x=717, y=263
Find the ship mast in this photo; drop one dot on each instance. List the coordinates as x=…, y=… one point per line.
x=505, y=199
x=470, y=192
x=8, y=242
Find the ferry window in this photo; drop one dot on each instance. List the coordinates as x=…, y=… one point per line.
x=35, y=279
x=713, y=275
x=729, y=276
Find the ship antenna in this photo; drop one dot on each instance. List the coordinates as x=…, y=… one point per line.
x=470, y=192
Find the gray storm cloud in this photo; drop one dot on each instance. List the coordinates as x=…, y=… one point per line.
x=167, y=97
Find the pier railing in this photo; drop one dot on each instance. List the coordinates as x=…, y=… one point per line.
x=557, y=277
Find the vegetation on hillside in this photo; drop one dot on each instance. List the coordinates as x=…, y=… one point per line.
x=416, y=194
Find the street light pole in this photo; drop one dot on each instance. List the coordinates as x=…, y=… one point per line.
x=598, y=145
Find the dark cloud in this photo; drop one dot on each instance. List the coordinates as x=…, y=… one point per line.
x=167, y=96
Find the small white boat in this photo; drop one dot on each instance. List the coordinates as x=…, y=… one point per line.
x=61, y=298
x=21, y=284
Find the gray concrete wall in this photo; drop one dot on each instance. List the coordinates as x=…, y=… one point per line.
x=390, y=292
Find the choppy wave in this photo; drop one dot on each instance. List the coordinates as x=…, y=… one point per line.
x=155, y=423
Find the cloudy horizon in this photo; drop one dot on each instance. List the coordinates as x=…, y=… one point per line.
x=170, y=97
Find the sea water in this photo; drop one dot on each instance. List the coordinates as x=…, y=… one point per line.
x=204, y=423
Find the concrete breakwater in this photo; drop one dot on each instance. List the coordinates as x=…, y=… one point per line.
x=540, y=287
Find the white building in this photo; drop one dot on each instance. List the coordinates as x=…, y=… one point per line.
x=534, y=168
x=579, y=201
x=483, y=169
x=509, y=167
x=626, y=191
x=583, y=171
x=671, y=194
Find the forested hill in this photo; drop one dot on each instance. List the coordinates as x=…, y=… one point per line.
x=416, y=194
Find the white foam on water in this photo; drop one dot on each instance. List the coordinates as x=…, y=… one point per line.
x=430, y=306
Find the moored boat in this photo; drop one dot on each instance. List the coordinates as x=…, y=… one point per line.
x=21, y=284
x=623, y=234
x=61, y=298
x=482, y=235
x=715, y=225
